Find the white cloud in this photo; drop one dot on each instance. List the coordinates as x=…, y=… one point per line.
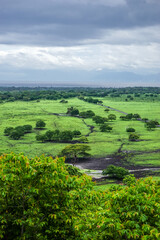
x=117, y=57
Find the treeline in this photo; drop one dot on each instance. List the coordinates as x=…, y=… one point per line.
x=32, y=94
x=58, y=136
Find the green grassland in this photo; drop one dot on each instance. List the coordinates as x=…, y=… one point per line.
x=17, y=113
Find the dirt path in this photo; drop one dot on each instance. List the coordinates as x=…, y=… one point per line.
x=114, y=109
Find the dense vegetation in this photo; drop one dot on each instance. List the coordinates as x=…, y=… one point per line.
x=41, y=198
x=31, y=94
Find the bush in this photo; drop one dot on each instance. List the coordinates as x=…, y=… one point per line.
x=8, y=130
x=115, y=172
x=133, y=137
x=87, y=114
x=76, y=133
x=105, y=128
x=83, y=139
x=27, y=128
x=130, y=130
x=40, y=124
x=15, y=135
x=111, y=117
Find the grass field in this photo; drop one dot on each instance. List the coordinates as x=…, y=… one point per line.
x=13, y=114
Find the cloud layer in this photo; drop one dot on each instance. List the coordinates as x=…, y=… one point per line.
x=92, y=35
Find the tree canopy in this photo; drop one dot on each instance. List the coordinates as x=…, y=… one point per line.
x=43, y=198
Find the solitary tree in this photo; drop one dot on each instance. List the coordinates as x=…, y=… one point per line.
x=76, y=150
x=115, y=172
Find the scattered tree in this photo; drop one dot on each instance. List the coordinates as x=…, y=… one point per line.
x=133, y=137
x=130, y=129
x=87, y=114
x=8, y=130
x=111, y=117
x=105, y=128
x=40, y=124
x=76, y=150
x=150, y=125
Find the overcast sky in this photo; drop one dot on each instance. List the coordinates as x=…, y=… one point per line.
x=80, y=42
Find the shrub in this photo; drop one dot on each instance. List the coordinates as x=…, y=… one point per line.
x=111, y=117
x=8, y=130
x=115, y=172
x=133, y=137
x=130, y=130
x=105, y=128
x=40, y=124
x=15, y=135
x=27, y=128
x=76, y=133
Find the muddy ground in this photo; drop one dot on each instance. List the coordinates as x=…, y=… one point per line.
x=117, y=160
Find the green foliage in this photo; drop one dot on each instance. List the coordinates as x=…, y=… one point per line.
x=15, y=135
x=63, y=101
x=76, y=133
x=115, y=172
x=124, y=213
x=58, y=136
x=76, y=150
x=107, y=110
x=27, y=128
x=40, y=124
x=151, y=124
x=73, y=171
x=133, y=137
x=73, y=111
x=83, y=139
x=130, y=129
x=105, y=128
x=87, y=114
x=42, y=198
x=17, y=132
x=39, y=198
x=99, y=119
x=111, y=117
x=129, y=180
x=8, y=130
x=130, y=116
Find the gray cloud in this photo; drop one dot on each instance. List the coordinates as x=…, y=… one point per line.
x=95, y=40
x=71, y=22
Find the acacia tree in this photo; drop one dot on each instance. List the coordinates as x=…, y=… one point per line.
x=76, y=150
